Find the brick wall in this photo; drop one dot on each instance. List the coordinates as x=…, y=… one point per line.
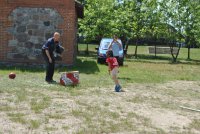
x=20, y=41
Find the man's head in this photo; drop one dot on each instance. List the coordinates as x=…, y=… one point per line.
x=56, y=37
x=115, y=37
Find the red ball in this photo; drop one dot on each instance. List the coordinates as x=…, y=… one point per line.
x=12, y=75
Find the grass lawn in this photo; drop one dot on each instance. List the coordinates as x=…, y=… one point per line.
x=155, y=88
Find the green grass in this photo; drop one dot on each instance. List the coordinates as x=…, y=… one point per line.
x=21, y=95
x=34, y=124
x=56, y=116
x=92, y=104
x=147, y=69
x=137, y=99
x=49, y=129
x=37, y=105
x=5, y=108
x=17, y=117
x=93, y=74
x=65, y=128
x=143, y=53
x=195, y=124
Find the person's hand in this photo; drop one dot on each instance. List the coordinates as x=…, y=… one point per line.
x=50, y=60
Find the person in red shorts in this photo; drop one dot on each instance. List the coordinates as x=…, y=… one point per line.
x=113, y=69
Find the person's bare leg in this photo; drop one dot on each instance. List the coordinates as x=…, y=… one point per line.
x=114, y=77
x=115, y=80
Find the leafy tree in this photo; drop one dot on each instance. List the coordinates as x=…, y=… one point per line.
x=164, y=21
x=95, y=24
x=172, y=14
x=190, y=18
x=196, y=28
x=97, y=21
x=135, y=12
x=153, y=24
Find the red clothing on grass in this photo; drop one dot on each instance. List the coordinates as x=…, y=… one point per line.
x=113, y=62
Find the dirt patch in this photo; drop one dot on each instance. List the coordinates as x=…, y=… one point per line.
x=143, y=108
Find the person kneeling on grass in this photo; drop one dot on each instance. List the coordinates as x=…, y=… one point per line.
x=113, y=69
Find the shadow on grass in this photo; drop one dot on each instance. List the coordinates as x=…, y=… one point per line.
x=83, y=66
x=124, y=78
x=22, y=68
x=88, y=67
x=186, y=62
x=92, y=54
x=148, y=57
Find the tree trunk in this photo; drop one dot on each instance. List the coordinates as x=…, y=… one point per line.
x=77, y=48
x=87, y=50
x=173, y=57
x=188, y=52
x=136, y=48
x=188, y=46
x=176, y=55
x=126, y=47
x=179, y=47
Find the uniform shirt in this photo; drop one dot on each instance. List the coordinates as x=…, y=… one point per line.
x=113, y=62
x=50, y=45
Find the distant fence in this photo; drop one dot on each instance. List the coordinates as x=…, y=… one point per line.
x=162, y=50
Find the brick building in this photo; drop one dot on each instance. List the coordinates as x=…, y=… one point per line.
x=26, y=24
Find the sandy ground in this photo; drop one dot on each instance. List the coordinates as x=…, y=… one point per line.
x=159, y=104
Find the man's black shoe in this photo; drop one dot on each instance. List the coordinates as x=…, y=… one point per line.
x=48, y=81
x=53, y=81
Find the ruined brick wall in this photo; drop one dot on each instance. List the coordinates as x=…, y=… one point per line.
x=25, y=25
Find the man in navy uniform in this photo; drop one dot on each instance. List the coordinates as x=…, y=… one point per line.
x=48, y=50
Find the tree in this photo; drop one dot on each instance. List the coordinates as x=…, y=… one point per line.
x=172, y=14
x=183, y=16
x=190, y=20
x=97, y=22
x=135, y=12
x=196, y=28
x=172, y=21
x=153, y=22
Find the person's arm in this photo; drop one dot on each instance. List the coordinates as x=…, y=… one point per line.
x=109, y=48
x=59, y=50
x=109, y=68
x=48, y=55
x=46, y=48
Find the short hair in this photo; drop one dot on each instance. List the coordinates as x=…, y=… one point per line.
x=115, y=36
x=56, y=34
x=109, y=53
